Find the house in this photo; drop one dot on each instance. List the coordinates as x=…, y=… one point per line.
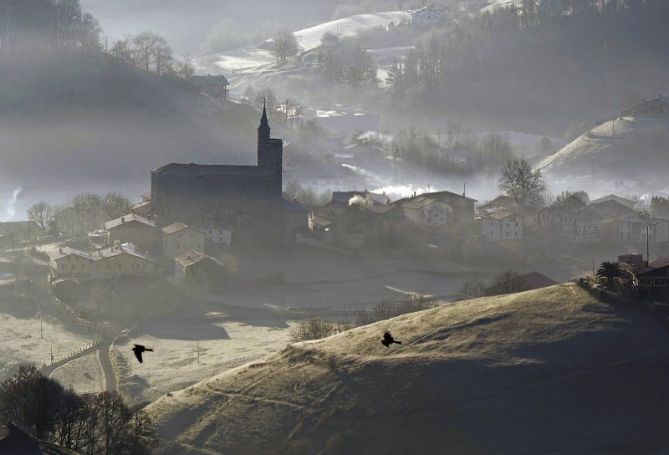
x=134, y=229
x=633, y=229
x=612, y=197
x=69, y=263
x=144, y=209
x=426, y=210
x=500, y=203
x=425, y=17
x=504, y=203
x=654, y=278
x=590, y=219
x=197, y=270
x=178, y=238
x=460, y=208
x=502, y=226
x=215, y=86
x=557, y=220
x=120, y=260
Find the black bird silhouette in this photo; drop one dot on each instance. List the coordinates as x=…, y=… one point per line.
x=138, y=349
x=388, y=340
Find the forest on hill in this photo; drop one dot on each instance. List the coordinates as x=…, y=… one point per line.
x=543, y=63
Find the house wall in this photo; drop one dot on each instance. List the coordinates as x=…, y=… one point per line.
x=174, y=245
x=122, y=264
x=512, y=228
x=71, y=266
x=491, y=228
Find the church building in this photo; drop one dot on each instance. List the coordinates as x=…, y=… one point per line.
x=247, y=200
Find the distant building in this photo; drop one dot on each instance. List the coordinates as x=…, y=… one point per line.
x=215, y=86
x=197, y=270
x=426, y=210
x=70, y=263
x=461, y=207
x=178, y=238
x=134, y=229
x=120, y=260
x=557, y=220
x=612, y=197
x=502, y=226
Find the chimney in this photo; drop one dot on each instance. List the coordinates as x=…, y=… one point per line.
x=122, y=220
x=60, y=250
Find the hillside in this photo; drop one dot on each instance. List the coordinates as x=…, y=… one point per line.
x=548, y=371
x=69, y=121
x=628, y=154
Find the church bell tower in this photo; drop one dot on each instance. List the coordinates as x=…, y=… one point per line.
x=270, y=151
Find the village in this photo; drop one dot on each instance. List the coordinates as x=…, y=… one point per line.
x=198, y=251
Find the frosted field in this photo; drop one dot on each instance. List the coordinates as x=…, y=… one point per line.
x=83, y=375
x=20, y=340
x=173, y=365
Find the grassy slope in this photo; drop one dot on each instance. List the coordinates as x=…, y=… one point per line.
x=607, y=149
x=543, y=371
x=78, y=119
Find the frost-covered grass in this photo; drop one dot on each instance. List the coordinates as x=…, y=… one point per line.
x=83, y=375
x=174, y=362
x=20, y=340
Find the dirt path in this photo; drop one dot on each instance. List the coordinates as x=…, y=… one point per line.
x=105, y=361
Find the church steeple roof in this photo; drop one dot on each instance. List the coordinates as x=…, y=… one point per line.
x=264, y=123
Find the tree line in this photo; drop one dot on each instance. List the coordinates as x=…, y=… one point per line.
x=151, y=53
x=39, y=24
x=85, y=213
x=98, y=423
x=550, y=59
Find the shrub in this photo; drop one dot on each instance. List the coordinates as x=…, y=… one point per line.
x=313, y=329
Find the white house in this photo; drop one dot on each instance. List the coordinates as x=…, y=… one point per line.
x=502, y=226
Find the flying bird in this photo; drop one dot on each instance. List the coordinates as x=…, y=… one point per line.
x=388, y=340
x=138, y=349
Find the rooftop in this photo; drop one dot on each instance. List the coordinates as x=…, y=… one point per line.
x=174, y=228
x=193, y=257
x=129, y=218
x=211, y=169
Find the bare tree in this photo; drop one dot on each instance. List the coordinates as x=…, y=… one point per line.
x=285, y=45
x=521, y=182
x=41, y=214
x=145, y=45
x=115, y=205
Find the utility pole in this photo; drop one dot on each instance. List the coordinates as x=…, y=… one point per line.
x=41, y=326
x=197, y=347
x=647, y=245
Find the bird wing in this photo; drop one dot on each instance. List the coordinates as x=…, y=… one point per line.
x=138, y=354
